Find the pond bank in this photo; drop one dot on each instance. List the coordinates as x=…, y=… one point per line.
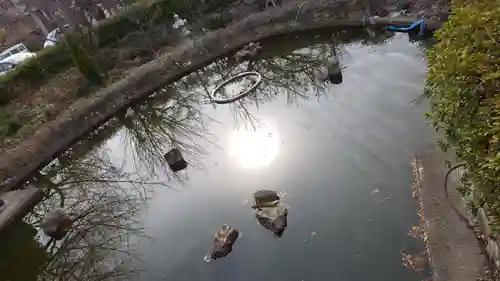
x=16, y=166
x=453, y=248
x=18, y=204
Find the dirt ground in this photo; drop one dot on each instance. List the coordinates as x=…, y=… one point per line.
x=40, y=105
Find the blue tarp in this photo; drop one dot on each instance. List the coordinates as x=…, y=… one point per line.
x=419, y=23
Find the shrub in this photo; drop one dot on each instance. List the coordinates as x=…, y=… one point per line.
x=462, y=85
x=85, y=63
x=8, y=126
x=217, y=21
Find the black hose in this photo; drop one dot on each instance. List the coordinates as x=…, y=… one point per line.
x=459, y=214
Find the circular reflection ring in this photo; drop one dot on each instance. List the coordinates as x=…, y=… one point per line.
x=242, y=94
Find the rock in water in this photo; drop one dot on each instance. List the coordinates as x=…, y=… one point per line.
x=270, y=213
x=248, y=52
x=265, y=198
x=253, y=49
x=334, y=71
x=56, y=224
x=273, y=219
x=175, y=160
x=222, y=243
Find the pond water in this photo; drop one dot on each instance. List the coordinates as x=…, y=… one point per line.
x=339, y=154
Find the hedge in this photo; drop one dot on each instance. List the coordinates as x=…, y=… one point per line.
x=54, y=59
x=462, y=85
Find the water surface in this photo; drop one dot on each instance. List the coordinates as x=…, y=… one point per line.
x=328, y=154
x=340, y=154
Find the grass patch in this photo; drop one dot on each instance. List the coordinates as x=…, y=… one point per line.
x=217, y=21
x=8, y=126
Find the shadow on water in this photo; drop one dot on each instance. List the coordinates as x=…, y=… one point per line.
x=105, y=180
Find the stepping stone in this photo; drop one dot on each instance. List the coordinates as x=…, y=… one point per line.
x=223, y=242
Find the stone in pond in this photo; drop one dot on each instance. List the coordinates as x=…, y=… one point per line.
x=222, y=243
x=56, y=224
x=273, y=219
x=248, y=52
x=334, y=71
x=265, y=198
x=175, y=160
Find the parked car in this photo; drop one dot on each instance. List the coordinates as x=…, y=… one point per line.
x=54, y=36
x=16, y=54
x=6, y=67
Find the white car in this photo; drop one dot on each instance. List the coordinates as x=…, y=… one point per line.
x=16, y=54
x=6, y=67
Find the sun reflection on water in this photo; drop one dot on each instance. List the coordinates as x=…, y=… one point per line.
x=254, y=148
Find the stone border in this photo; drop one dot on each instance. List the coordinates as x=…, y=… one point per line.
x=81, y=117
x=17, y=204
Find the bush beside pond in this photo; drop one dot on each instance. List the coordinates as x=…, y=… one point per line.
x=462, y=85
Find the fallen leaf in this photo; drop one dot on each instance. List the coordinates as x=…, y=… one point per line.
x=385, y=199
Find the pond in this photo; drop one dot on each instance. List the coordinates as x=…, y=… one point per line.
x=340, y=156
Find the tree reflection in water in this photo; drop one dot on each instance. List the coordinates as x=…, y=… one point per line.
x=104, y=203
x=173, y=117
x=290, y=70
x=104, y=199
x=164, y=121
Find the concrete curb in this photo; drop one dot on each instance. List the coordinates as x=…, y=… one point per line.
x=18, y=204
x=453, y=248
